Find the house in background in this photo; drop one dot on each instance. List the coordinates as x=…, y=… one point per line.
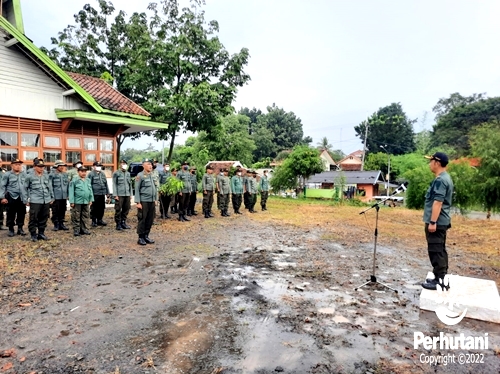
x=352, y=162
x=219, y=165
x=365, y=183
x=328, y=161
x=48, y=113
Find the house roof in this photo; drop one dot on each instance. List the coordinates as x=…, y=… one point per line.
x=351, y=177
x=324, y=153
x=106, y=96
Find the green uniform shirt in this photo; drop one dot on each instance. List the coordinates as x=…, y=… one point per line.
x=245, y=183
x=264, y=183
x=13, y=184
x=122, y=185
x=252, y=185
x=60, y=185
x=98, y=182
x=145, y=188
x=164, y=175
x=80, y=191
x=38, y=189
x=224, y=185
x=156, y=177
x=208, y=182
x=441, y=189
x=185, y=177
x=72, y=174
x=194, y=183
x=237, y=185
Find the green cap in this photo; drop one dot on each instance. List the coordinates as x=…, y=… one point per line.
x=147, y=160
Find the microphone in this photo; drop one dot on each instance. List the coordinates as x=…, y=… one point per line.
x=400, y=189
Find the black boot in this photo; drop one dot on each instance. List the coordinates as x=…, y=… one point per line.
x=63, y=227
x=141, y=240
x=181, y=219
x=94, y=222
x=101, y=223
x=34, y=237
x=189, y=213
x=56, y=226
x=11, y=232
x=210, y=214
x=41, y=236
x=185, y=218
x=76, y=233
x=125, y=226
x=119, y=226
x=194, y=212
x=206, y=214
x=20, y=231
x=227, y=213
x=148, y=240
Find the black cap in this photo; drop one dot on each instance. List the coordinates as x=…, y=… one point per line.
x=439, y=156
x=82, y=168
x=97, y=163
x=39, y=162
x=16, y=161
x=185, y=163
x=209, y=167
x=78, y=162
x=123, y=162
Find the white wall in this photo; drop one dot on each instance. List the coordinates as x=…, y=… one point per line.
x=26, y=91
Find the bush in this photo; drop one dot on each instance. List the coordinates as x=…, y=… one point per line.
x=418, y=183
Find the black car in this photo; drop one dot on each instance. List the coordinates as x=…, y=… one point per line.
x=135, y=168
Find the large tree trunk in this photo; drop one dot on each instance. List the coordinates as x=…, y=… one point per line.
x=119, y=141
x=171, y=148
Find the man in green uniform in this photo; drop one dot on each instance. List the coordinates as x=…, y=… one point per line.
x=264, y=190
x=122, y=191
x=246, y=194
x=237, y=191
x=219, y=194
x=174, y=198
x=146, y=196
x=80, y=196
x=2, y=206
x=208, y=186
x=59, y=181
x=184, y=194
x=101, y=190
x=165, y=199
x=13, y=197
x=40, y=196
x=252, y=190
x=224, y=187
x=437, y=218
x=73, y=173
x=192, y=196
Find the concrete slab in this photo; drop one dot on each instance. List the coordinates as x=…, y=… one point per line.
x=479, y=296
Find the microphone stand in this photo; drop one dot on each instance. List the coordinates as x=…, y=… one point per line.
x=373, y=278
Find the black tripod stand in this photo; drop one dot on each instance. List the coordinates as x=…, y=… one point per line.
x=373, y=278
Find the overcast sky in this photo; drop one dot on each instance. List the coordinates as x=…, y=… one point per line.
x=333, y=63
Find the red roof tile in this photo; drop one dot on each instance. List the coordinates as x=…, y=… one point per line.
x=106, y=96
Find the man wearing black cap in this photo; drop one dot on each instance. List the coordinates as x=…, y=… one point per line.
x=252, y=190
x=146, y=195
x=100, y=188
x=224, y=189
x=80, y=196
x=165, y=199
x=122, y=191
x=264, y=191
x=73, y=173
x=437, y=218
x=185, y=193
x=13, y=197
x=40, y=196
x=208, y=187
x=60, y=182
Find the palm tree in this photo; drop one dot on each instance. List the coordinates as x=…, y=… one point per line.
x=323, y=144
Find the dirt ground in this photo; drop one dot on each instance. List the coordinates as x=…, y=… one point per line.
x=260, y=293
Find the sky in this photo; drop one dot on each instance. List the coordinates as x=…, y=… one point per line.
x=335, y=62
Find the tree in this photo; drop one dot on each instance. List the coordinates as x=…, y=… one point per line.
x=445, y=105
x=390, y=127
x=264, y=145
x=419, y=180
x=337, y=155
x=286, y=128
x=304, y=161
x=324, y=144
x=485, y=144
x=253, y=114
x=466, y=193
x=453, y=128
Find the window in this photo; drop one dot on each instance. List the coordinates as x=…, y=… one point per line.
x=29, y=155
x=90, y=157
x=30, y=140
x=8, y=138
x=90, y=144
x=73, y=143
x=51, y=155
x=106, y=145
x=8, y=154
x=72, y=157
x=52, y=141
x=106, y=158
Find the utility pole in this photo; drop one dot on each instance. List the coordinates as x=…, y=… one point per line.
x=364, y=148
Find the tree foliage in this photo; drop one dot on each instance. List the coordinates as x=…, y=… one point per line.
x=391, y=127
x=419, y=180
x=303, y=161
x=453, y=128
x=446, y=104
x=465, y=185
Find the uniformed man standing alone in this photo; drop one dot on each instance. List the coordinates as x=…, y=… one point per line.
x=40, y=196
x=208, y=186
x=184, y=194
x=264, y=190
x=13, y=197
x=122, y=191
x=60, y=182
x=237, y=191
x=146, y=196
x=100, y=189
x=224, y=192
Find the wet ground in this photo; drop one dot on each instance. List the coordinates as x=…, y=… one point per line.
x=226, y=296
